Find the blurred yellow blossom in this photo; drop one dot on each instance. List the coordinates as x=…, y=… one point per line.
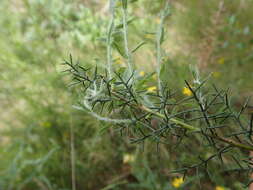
x=142, y=73
x=187, y=91
x=219, y=188
x=118, y=60
x=221, y=60
x=216, y=74
x=152, y=89
x=128, y=158
x=177, y=182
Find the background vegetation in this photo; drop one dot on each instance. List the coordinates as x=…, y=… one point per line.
x=36, y=103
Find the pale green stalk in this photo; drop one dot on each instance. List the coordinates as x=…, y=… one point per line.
x=72, y=153
x=125, y=35
x=159, y=36
x=109, y=39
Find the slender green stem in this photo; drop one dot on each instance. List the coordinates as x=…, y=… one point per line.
x=125, y=35
x=187, y=126
x=109, y=39
x=72, y=153
x=184, y=125
x=159, y=39
x=233, y=143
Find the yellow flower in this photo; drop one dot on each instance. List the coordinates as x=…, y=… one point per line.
x=187, y=91
x=219, y=188
x=128, y=158
x=221, y=60
x=216, y=74
x=142, y=73
x=177, y=182
x=152, y=89
x=118, y=60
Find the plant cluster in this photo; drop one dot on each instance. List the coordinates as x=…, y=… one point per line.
x=132, y=103
x=46, y=144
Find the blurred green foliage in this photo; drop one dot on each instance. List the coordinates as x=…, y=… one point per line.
x=36, y=104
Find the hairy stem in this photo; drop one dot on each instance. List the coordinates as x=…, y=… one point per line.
x=125, y=35
x=109, y=39
x=159, y=39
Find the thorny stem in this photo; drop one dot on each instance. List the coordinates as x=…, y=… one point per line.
x=187, y=126
x=176, y=121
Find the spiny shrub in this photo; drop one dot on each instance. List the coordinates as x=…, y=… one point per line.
x=203, y=124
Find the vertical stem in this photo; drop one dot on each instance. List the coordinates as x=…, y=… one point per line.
x=159, y=38
x=251, y=175
x=72, y=148
x=125, y=33
x=109, y=39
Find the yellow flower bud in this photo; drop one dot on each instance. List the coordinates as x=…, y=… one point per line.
x=152, y=89
x=187, y=91
x=219, y=188
x=142, y=73
x=177, y=182
x=128, y=158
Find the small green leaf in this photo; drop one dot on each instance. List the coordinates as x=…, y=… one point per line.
x=138, y=46
x=124, y=4
x=162, y=36
x=104, y=129
x=119, y=26
x=119, y=49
